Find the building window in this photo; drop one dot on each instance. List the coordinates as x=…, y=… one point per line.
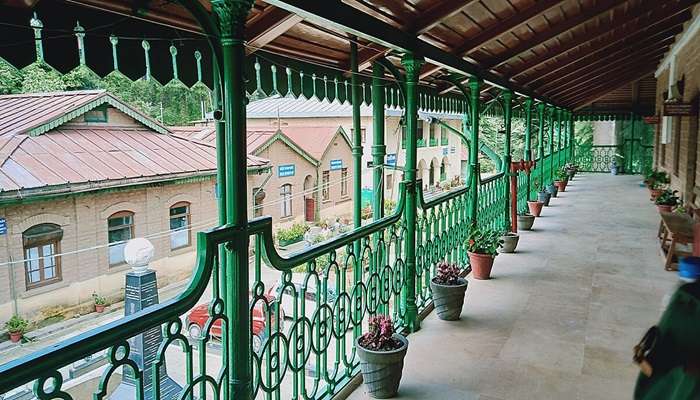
x=444, y=141
x=389, y=181
x=325, y=186
x=98, y=114
x=344, y=182
x=258, y=197
x=676, y=146
x=120, y=229
x=179, y=225
x=41, y=248
x=286, y=197
x=433, y=139
x=363, y=134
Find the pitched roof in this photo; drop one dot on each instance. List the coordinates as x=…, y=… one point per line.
x=36, y=113
x=41, y=154
x=207, y=135
x=313, y=140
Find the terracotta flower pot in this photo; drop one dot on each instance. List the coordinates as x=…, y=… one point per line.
x=481, y=265
x=99, y=308
x=664, y=208
x=561, y=185
x=535, y=207
x=15, y=337
x=655, y=193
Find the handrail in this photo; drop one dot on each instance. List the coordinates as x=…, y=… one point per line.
x=263, y=226
x=438, y=199
x=24, y=369
x=493, y=178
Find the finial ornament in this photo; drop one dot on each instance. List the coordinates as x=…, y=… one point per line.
x=198, y=59
x=37, y=25
x=146, y=48
x=80, y=34
x=114, y=41
x=173, y=56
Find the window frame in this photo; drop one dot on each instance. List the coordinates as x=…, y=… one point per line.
x=344, y=182
x=55, y=241
x=326, y=185
x=286, y=202
x=188, y=223
x=120, y=214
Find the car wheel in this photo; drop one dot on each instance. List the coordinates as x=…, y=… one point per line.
x=194, y=331
x=257, y=344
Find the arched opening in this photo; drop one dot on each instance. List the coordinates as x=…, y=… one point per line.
x=443, y=168
x=422, y=171
x=309, y=198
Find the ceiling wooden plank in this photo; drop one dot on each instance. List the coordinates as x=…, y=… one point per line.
x=603, y=90
x=613, y=58
x=436, y=14
x=554, y=31
x=660, y=12
x=269, y=27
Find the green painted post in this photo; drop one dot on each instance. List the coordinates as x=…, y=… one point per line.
x=527, y=156
x=378, y=151
x=631, y=142
x=173, y=60
x=474, y=85
x=37, y=26
x=572, y=137
x=80, y=35
x=114, y=41
x=357, y=166
x=232, y=16
x=540, y=141
x=551, y=145
x=507, y=116
x=412, y=65
x=559, y=114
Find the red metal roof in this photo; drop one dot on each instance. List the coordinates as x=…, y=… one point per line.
x=73, y=157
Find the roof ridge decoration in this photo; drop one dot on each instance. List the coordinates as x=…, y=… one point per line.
x=103, y=98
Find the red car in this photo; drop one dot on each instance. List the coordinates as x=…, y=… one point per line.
x=198, y=317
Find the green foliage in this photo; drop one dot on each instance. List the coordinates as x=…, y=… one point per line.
x=583, y=133
x=294, y=232
x=563, y=174
x=41, y=77
x=82, y=78
x=484, y=240
x=16, y=324
x=667, y=198
x=98, y=300
x=10, y=78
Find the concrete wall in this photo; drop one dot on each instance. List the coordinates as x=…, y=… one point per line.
x=679, y=156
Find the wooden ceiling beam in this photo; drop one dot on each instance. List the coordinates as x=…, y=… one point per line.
x=602, y=90
x=660, y=12
x=608, y=61
x=603, y=50
x=610, y=79
x=506, y=25
x=269, y=27
x=618, y=72
x=436, y=14
x=565, y=25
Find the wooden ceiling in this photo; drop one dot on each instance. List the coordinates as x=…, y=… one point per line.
x=570, y=52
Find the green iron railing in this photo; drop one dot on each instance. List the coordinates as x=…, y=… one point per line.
x=596, y=158
x=522, y=194
x=492, y=202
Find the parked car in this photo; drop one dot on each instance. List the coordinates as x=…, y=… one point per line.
x=197, y=318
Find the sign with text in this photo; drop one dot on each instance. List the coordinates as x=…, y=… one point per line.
x=285, y=170
x=3, y=226
x=445, y=151
x=652, y=120
x=680, y=109
x=336, y=164
x=391, y=159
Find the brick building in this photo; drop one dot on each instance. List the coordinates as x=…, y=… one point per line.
x=80, y=173
x=676, y=140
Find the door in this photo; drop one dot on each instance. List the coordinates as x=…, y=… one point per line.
x=309, y=208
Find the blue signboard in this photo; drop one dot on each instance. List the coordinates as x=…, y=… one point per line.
x=445, y=150
x=336, y=164
x=3, y=226
x=391, y=159
x=285, y=170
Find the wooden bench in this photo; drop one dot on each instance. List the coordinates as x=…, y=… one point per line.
x=676, y=229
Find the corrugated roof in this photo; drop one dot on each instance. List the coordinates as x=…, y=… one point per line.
x=72, y=157
x=301, y=107
x=313, y=140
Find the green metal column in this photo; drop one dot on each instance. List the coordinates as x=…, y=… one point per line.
x=378, y=147
x=527, y=156
x=551, y=145
x=572, y=138
x=412, y=65
x=474, y=85
x=540, y=142
x=632, y=143
x=232, y=16
x=507, y=117
x=356, y=155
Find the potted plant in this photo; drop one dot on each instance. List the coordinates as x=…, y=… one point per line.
x=614, y=168
x=510, y=242
x=526, y=220
x=16, y=326
x=562, y=181
x=448, y=291
x=291, y=235
x=482, y=247
x=543, y=196
x=381, y=353
x=552, y=189
x=100, y=302
x=571, y=170
x=667, y=200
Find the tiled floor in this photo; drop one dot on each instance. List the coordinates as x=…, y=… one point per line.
x=560, y=317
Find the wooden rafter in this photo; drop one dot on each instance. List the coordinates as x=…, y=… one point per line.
x=269, y=27
x=660, y=12
x=608, y=87
x=552, y=32
x=436, y=14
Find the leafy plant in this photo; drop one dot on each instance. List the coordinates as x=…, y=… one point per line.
x=562, y=174
x=366, y=212
x=294, y=232
x=380, y=335
x=447, y=274
x=667, y=198
x=484, y=240
x=536, y=184
x=41, y=77
x=98, y=300
x=16, y=324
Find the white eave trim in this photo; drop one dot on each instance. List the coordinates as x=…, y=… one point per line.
x=685, y=38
